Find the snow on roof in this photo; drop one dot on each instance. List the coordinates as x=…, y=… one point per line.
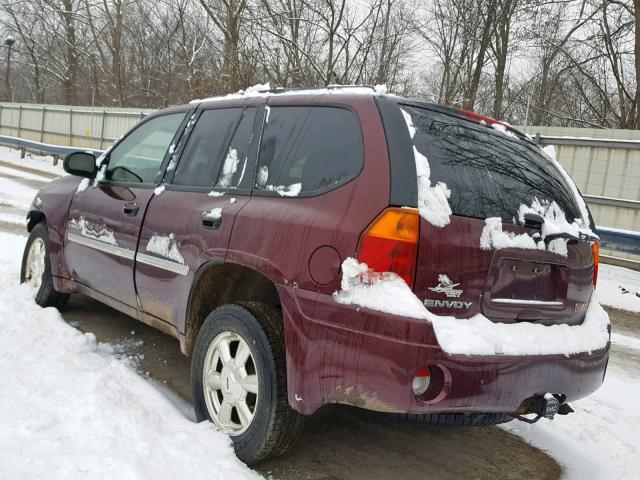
x=265, y=90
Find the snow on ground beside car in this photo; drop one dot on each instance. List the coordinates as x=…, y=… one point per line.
x=14, y=194
x=477, y=335
x=13, y=218
x=600, y=440
x=71, y=409
x=14, y=172
x=37, y=162
x=619, y=287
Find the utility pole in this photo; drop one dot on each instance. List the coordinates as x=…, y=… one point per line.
x=9, y=41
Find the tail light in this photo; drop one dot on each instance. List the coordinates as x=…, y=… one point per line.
x=596, y=261
x=482, y=118
x=390, y=243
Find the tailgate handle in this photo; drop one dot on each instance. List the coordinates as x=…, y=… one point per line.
x=131, y=209
x=211, y=222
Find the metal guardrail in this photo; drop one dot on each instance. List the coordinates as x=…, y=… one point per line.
x=38, y=148
x=625, y=241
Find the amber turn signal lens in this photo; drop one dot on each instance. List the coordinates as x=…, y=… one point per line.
x=390, y=244
x=596, y=261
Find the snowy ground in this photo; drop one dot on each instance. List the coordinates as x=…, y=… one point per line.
x=36, y=162
x=73, y=408
x=619, y=287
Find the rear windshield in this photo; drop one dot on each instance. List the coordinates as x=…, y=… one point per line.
x=489, y=173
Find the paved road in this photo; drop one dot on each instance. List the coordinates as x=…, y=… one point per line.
x=342, y=442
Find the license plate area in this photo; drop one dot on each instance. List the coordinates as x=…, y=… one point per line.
x=524, y=289
x=530, y=281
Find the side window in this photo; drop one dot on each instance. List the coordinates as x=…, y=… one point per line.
x=202, y=156
x=237, y=154
x=309, y=150
x=138, y=157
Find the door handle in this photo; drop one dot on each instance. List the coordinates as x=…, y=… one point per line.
x=131, y=209
x=211, y=222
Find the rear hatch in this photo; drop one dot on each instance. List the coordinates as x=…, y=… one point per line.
x=537, y=267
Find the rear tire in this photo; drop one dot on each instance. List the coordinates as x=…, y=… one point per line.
x=455, y=419
x=273, y=426
x=36, y=269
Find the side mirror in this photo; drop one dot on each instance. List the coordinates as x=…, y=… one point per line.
x=82, y=164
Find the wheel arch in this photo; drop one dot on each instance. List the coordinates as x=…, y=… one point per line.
x=35, y=217
x=218, y=283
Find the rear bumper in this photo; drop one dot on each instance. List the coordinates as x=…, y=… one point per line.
x=342, y=354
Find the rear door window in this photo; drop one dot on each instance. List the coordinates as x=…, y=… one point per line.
x=206, y=148
x=489, y=173
x=236, y=159
x=306, y=151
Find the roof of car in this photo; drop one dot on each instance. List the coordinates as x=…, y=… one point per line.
x=264, y=91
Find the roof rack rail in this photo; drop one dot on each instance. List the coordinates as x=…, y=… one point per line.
x=321, y=87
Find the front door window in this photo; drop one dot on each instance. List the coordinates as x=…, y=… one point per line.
x=138, y=157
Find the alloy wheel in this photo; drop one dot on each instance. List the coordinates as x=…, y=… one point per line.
x=35, y=264
x=230, y=383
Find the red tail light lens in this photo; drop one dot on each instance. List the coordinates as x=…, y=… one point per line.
x=390, y=244
x=596, y=261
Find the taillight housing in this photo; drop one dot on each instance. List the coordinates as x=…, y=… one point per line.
x=390, y=243
x=596, y=261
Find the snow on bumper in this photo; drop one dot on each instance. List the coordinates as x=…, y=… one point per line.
x=348, y=354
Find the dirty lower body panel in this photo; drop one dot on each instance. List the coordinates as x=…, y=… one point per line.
x=355, y=356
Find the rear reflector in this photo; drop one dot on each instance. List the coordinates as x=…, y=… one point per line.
x=390, y=244
x=421, y=381
x=596, y=261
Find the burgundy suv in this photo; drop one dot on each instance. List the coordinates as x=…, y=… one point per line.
x=226, y=222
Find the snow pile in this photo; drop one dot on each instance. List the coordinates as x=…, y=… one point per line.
x=494, y=238
x=101, y=173
x=83, y=185
x=71, y=409
x=229, y=168
x=166, y=246
x=263, y=176
x=433, y=200
x=93, y=230
x=619, y=287
x=292, y=190
x=214, y=213
x=555, y=222
x=386, y=292
x=502, y=128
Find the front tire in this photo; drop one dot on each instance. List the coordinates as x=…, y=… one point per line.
x=36, y=269
x=238, y=377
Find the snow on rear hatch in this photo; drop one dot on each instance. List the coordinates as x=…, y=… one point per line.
x=510, y=227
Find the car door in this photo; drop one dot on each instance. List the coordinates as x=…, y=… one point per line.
x=190, y=222
x=104, y=220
